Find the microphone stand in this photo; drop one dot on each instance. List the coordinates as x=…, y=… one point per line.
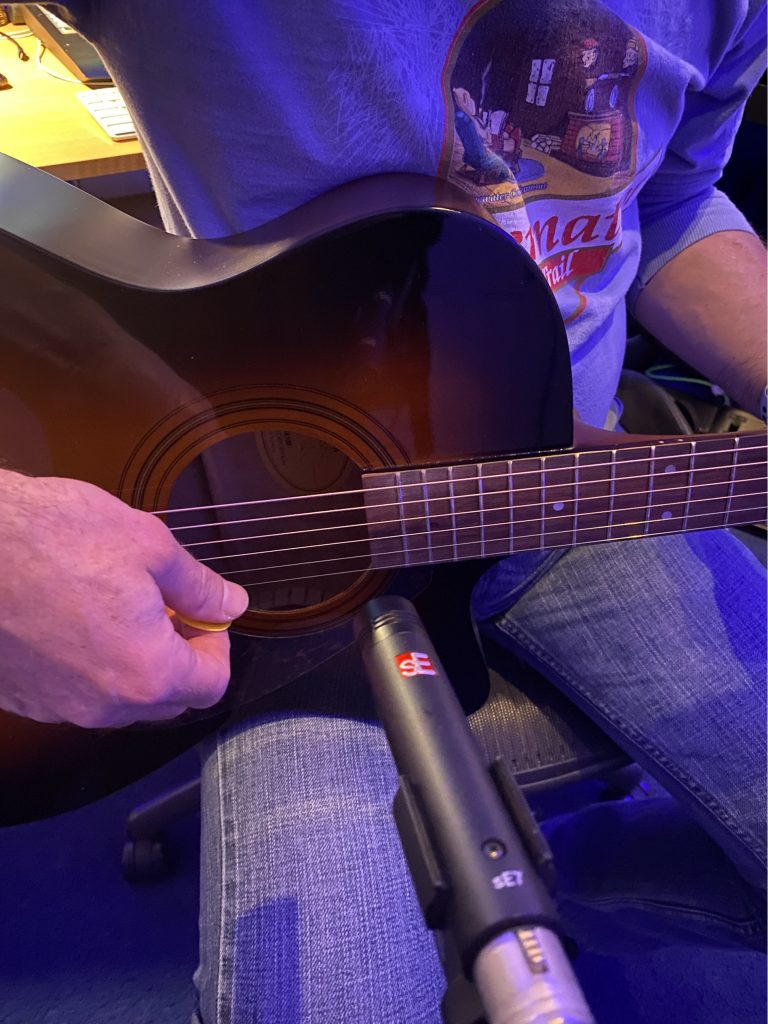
x=480, y=866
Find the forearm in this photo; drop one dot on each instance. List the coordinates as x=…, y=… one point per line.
x=708, y=306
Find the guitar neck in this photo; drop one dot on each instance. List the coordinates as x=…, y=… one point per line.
x=499, y=507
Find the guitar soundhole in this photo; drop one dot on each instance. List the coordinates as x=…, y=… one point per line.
x=279, y=512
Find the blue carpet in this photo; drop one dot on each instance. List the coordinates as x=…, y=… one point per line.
x=78, y=945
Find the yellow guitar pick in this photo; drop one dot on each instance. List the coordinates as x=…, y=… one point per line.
x=208, y=627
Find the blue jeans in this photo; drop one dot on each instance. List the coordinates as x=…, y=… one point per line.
x=308, y=916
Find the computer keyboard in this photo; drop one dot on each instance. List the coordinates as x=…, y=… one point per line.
x=108, y=109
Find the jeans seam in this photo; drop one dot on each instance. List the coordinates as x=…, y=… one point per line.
x=698, y=794
x=222, y=1000
x=513, y=595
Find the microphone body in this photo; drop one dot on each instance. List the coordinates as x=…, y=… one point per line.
x=472, y=845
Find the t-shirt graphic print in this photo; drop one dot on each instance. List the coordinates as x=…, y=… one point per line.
x=540, y=128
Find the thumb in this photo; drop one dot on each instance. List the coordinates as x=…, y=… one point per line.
x=197, y=592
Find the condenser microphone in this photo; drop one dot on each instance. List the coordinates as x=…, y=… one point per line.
x=473, y=848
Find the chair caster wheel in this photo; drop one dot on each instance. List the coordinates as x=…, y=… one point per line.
x=144, y=860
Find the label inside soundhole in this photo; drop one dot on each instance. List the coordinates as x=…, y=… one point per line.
x=304, y=464
x=277, y=511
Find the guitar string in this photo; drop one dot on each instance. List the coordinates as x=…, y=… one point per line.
x=540, y=459
x=503, y=475
x=368, y=566
x=471, y=494
x=396, y=505
x=365, y=523
x=516, y=525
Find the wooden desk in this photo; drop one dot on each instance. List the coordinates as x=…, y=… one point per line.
x=44, y=124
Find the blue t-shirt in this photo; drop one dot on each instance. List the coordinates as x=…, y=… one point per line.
x=594, y=132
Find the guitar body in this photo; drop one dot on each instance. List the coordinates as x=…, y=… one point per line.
x=385, y=325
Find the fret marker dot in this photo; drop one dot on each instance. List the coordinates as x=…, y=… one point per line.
x=559, y=506
x=666, y=515
x=669, y=469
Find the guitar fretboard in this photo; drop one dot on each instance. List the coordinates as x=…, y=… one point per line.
x=476, y=510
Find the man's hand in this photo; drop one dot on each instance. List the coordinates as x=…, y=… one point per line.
x=84, y=634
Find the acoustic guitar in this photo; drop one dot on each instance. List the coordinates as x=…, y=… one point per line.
x=319, y=409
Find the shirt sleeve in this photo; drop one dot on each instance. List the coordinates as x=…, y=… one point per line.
x=680, y=204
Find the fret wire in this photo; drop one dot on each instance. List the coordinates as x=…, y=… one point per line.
x=453, y=510
x=542, y=496
x=690, y=483
x=426, y=512
x=403, y=519
x=611, y=503
x=650, y=490
x=576, y=485
x=511, y=503
x=481, y=505
x=732, y=477
x=472, y=499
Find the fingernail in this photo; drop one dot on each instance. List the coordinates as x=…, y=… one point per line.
x=235, y=601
